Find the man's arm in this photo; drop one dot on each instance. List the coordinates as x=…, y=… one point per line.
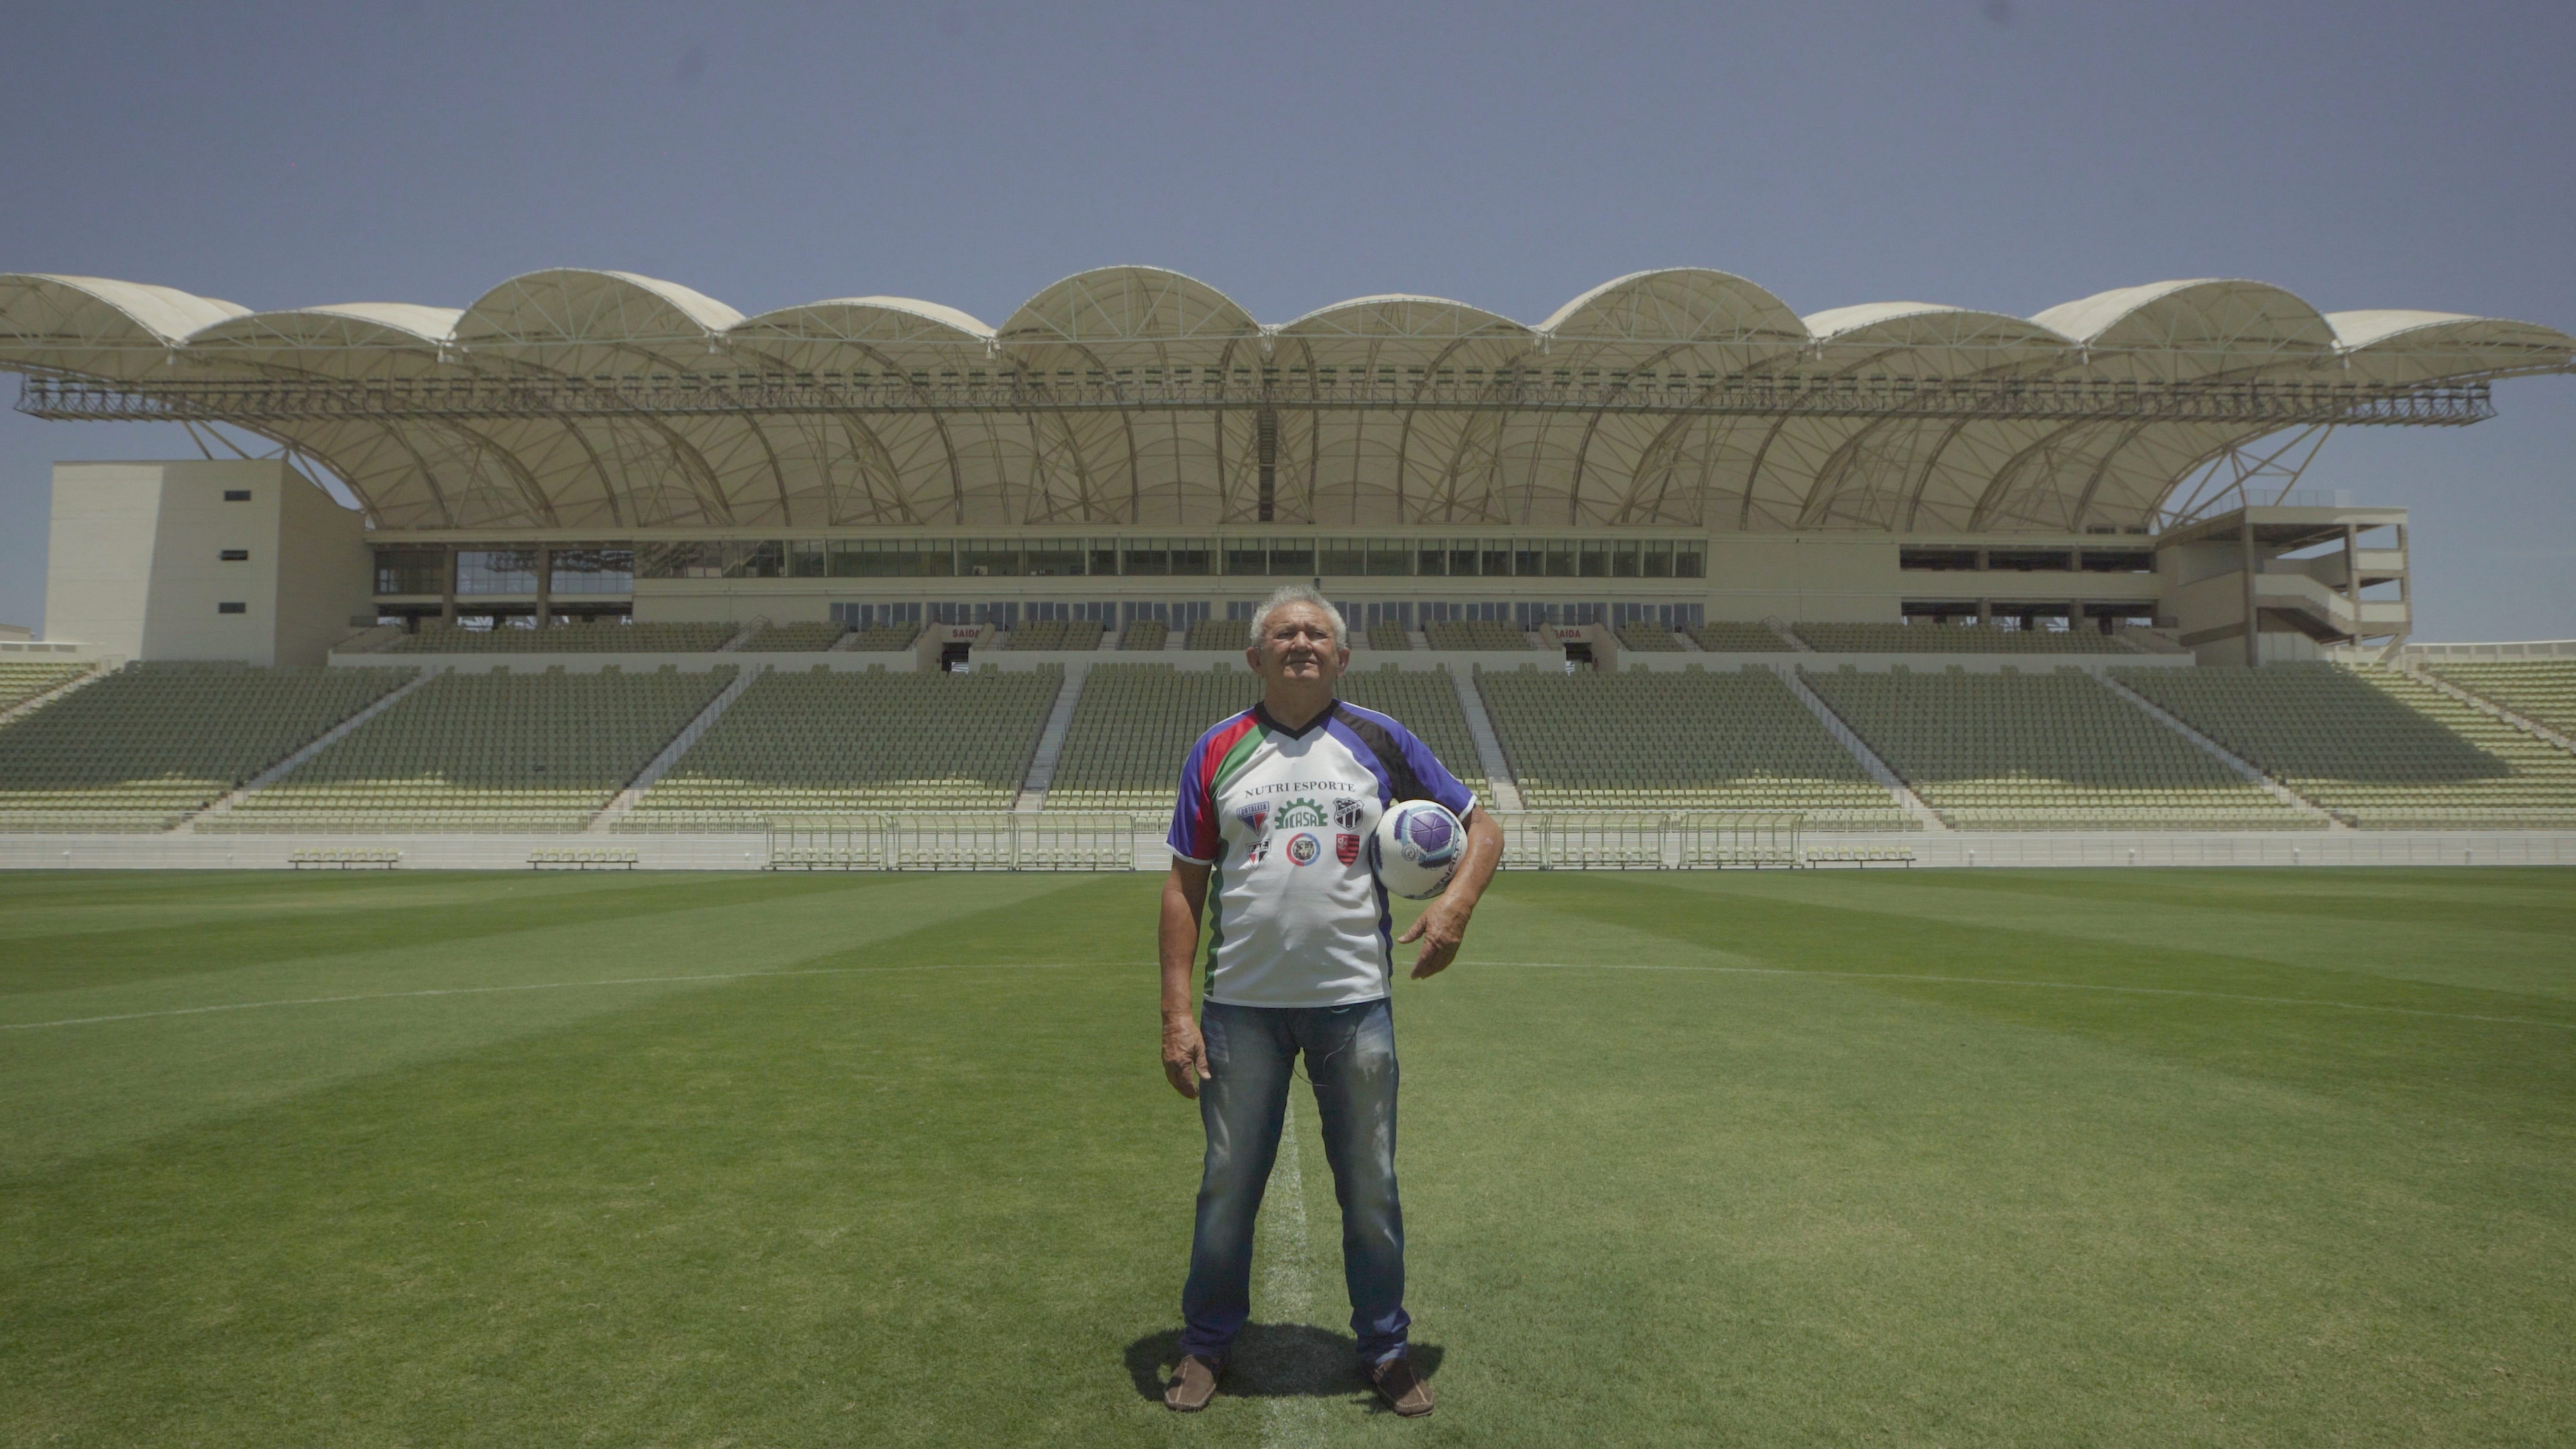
x=1444, y=925
x=1184, y=1053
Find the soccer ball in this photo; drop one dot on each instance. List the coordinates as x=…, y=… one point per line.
x=1416, y=848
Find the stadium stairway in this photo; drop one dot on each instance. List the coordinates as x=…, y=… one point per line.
x=1505, y=790
x=660, y=765
x=2324, y=819
x=1033, y=790
x=26, y=688
x=282, y=768
x=1878, y=770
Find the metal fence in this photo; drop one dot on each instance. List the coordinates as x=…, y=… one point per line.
x=953, y=840
x=1648, y=840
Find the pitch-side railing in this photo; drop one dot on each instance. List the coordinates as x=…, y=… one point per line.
x=953, y=840
x=1649, y=839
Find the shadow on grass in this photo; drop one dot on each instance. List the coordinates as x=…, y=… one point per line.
x=1271, y=1361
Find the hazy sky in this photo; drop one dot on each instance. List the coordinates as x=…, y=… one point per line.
x=2008, y=154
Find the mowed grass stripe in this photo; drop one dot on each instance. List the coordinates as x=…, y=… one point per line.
x=1644, y=1206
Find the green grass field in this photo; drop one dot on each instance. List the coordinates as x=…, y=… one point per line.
x=1954, y=1158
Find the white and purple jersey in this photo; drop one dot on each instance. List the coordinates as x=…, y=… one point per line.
x=1282, y=819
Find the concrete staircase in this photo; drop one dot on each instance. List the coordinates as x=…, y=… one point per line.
x=328, y=738
x=1859, y=748
x=1033, y=787
x=2222, y=754
x=1489, y=746
x=1788, y=636
x=660, y=765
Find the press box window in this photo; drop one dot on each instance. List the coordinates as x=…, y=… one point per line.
x=236, y=495
x=232, y=608
x=236, y=555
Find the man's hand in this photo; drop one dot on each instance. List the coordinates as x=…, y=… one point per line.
x=1439, y=929
x=1185, y=1063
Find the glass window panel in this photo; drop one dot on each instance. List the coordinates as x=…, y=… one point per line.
x=1528, y=562
x=1054, y=561
x=1560, y=559
x=766, y=559
x=1595, y=560
x=1247, y=561
x=1295, y=560
x=411, y=570
x=496, y=571
x=698, y=560
x=1104, y=561
x=1340, y=556
x=1624, y=562
x=1149, y=561
x=1194, y=560
x=808, y=558
x=594, y=571
x=1659, y=560
x=1498, y=563
x=1433, y=561
x=1388, y=556
x=990, y=558
x=1686, y=561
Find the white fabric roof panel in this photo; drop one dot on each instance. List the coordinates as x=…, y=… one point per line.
x=1182, y=370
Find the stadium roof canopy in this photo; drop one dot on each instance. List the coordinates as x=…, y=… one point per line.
x=604, y=401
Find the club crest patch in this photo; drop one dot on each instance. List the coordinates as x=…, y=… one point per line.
x=1303, y=847
x=1346, y=814
x=1346, y=848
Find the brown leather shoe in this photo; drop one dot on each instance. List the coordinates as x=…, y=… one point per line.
x=1193, y=1384
x=1406, y=1392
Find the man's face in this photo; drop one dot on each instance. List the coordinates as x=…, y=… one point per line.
x=1297, y=643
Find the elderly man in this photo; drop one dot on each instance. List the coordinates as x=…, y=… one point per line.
x=1275, y=810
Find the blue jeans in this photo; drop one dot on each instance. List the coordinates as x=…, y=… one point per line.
x=1350, y=1058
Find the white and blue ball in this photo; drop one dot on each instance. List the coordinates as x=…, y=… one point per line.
x=1416, y=848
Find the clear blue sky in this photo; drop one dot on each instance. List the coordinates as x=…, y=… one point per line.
x=1977, y=152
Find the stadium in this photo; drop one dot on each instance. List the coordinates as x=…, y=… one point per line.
x=610, y=573
x=585, y=871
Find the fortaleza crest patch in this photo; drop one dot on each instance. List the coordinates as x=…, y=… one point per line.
x=1303, y=847
x=1346, y=848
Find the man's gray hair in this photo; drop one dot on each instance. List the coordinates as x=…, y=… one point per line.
x=1287, y=594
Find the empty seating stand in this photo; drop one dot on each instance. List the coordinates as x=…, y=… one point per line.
x=1219, y=634
x=1696, y=740
x=2379, y=749
x=794, y=638
x=152, y=743
x=490, y=752
x=1386, y=636
x=1734, y=636
x=21, y=681
x=821, y=742
x=609, y=859
x=1477, y=634
x=2050, y=751
x=1055, y=634
x=2540, y=690
x=881, y=639
x=1647, y=639
x=568, y=639
x=1928, y=637
x=329, y=859
x=1145, y=634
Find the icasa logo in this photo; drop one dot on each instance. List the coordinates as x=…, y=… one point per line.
x=1300, y=811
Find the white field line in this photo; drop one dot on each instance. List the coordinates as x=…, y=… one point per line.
x=1287, y=1289
x=537, y=986
x=2044, y=985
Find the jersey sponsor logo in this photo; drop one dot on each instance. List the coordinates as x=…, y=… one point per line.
x=1303, y=847
x=1346, y=848
x=1300, y=811
x=1346, y=813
